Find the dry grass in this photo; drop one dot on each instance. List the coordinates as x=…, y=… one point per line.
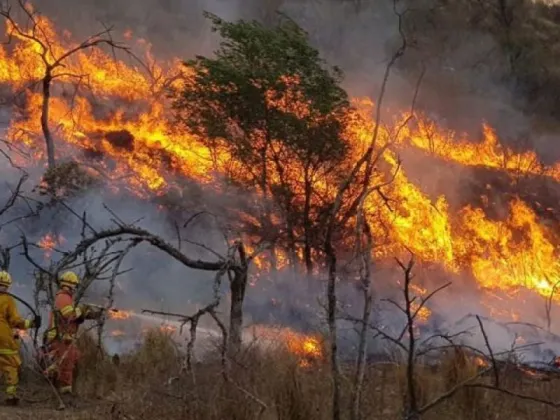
x=149, y=384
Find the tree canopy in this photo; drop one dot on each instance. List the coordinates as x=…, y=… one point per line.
x=275, y=106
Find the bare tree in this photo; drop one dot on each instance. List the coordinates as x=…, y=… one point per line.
x=53, y=62
x=16, y=195
x=365, y=252
x=335, y=220
x=100, y=252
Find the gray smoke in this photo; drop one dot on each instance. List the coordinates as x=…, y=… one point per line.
x=463, y=85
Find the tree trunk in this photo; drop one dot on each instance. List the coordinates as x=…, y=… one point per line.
x=266, y=216
x=273, y=261
x=362, y=345
x=412, y=403
x=292, y=254
x=238, y=286
x=307, y=226
x=331, y=319
x=506, y=14
x=45, y=119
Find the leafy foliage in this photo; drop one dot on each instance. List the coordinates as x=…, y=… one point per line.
x=265, y=85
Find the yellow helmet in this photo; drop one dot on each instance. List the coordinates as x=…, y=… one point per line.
x=69, y=279
x=5, y=279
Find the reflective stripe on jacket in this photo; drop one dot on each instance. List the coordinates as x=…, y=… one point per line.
x=64, y=324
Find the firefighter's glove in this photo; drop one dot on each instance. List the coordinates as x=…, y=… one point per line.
x=93, y=312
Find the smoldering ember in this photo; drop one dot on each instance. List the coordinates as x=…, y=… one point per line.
x=280, y=209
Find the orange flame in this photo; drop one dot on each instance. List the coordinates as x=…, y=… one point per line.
x=119, y=314
x=168, y=329
x=49, y=243
x=22, y=333
x=307, y=348
x=481, y=362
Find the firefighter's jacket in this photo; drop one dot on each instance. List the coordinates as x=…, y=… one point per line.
x=66, y=318
x=10, y=320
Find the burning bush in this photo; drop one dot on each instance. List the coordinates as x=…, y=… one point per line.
x=122, y=139
x=66, y=180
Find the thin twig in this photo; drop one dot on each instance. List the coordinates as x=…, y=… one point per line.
x=496, y=373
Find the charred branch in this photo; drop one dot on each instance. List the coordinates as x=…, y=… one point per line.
x=142, y=235
x=489, y=347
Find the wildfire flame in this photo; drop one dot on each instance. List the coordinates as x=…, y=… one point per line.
x=166, y=328
x=515, y=253
x=120, y=314
x=49, y=242
x=307, y=348
x=22, y=333
x=481, y=362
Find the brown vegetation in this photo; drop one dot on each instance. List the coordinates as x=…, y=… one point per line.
x=150, y=383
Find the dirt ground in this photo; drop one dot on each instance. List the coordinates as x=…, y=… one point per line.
x=45, y=411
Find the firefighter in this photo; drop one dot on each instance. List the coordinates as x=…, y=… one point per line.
x=61, y=335
x=10, y=360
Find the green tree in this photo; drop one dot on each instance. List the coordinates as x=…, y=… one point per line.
x=271, y=102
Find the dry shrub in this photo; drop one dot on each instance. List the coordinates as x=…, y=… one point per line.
x=96, y=375
x=293, y=388
x=458, y=366
x=423, y=382
x=157, y=357
x=149, y=383
x=65, y=180
x=454, y=367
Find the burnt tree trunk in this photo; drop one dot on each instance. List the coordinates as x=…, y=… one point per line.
x=238, y=285
x=285, y=199
x=267, y=224
x=412, y=400
x=307, y=226
x=45, y=119
x=331, y=320
x=292, y=252
x=365, y=279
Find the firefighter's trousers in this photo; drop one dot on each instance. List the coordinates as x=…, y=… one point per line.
x=65, y=357
x=9, y=366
